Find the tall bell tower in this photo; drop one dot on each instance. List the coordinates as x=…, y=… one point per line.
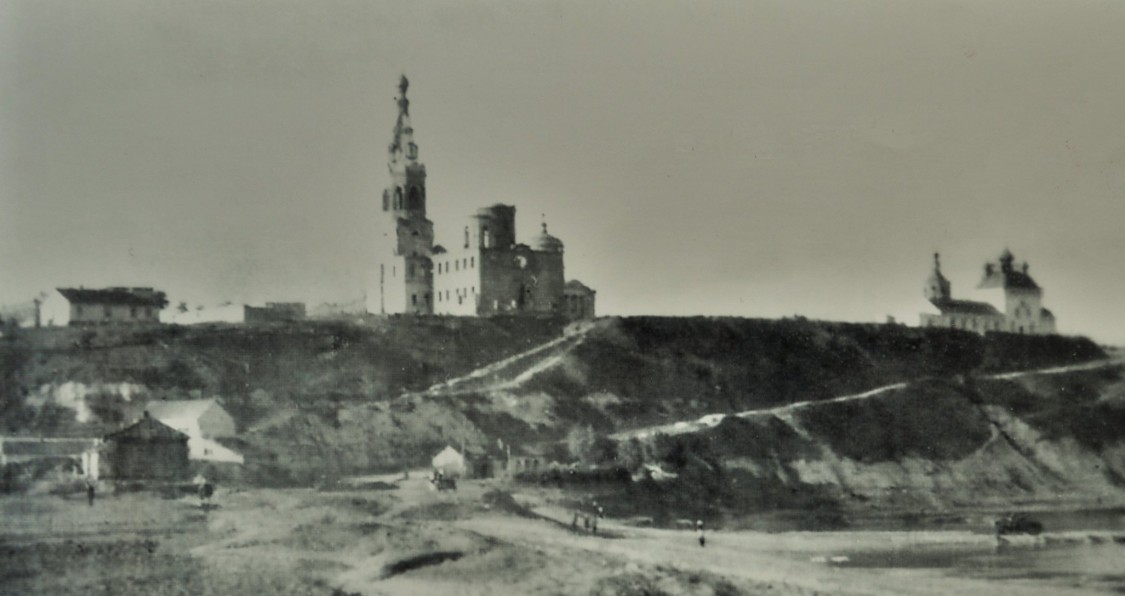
x=403, y=279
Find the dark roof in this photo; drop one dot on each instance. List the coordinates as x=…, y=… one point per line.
x=147, y=429
x=27, y=446
x=126, y=296
x=1046, y=314
x=576, y=286
x=1010, y=279
x=966, y=307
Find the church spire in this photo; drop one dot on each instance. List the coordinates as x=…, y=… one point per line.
x=403, y=102
x=937, y=288
x=403, y=143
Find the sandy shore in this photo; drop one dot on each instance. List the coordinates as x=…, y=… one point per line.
x=403, y=538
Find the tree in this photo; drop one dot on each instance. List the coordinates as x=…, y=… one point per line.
x=580, y=443
x=631, y=454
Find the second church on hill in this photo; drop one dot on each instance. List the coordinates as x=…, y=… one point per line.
x=485, y=273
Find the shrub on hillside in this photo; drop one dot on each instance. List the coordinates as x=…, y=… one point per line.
x=932, y=420
x=1010, y=351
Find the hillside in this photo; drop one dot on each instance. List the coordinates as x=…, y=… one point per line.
x=325, y=399
x=930, y=445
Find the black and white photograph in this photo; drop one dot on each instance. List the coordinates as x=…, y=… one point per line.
x=562, y=297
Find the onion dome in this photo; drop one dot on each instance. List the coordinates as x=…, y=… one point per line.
x=546, y=242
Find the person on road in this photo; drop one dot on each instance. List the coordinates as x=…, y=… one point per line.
x=91, y=490
x=205, y=491
x=699, y=532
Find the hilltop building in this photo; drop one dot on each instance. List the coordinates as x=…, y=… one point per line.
x=486, y=273
x=274, y=312
x=1009, y=301
x=104, y=306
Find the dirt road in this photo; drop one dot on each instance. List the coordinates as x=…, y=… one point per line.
x=393, y=536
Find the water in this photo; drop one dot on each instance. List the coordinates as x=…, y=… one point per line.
x=1084, y=549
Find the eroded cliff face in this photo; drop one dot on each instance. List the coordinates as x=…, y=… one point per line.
x=987, y=442
x=926, y=425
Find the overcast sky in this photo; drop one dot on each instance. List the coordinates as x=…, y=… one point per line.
x=753, y=157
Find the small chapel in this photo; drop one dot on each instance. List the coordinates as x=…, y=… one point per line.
x=1008, y=300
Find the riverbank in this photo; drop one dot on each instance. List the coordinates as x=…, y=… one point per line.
x=395, y=536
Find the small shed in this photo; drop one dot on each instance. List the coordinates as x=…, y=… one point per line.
x=469, y=463
x=148, y=450
x=450, y=461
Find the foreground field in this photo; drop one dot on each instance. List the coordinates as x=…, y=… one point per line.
x=396, y=536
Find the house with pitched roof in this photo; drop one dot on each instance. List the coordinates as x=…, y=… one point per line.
x=203, y=421
x=148, y=450
x=80, y=456
x=469, y=462
x=1008, y=300
x=103, y=306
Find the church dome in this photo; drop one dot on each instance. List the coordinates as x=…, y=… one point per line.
x=546, y=242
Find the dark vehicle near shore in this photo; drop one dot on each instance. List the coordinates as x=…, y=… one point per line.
x=1018, y=523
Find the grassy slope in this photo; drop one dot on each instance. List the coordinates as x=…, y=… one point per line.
x=933, y=444
x=323, y=398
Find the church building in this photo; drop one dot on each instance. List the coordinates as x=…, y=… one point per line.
x=1009, y=300
x=485, y=272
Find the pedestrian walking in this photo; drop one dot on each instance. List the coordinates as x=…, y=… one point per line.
x=205, y=492
x=91, y=490
x=699, y=532
x=586, y=522
x=574, y=522
x=594, y=526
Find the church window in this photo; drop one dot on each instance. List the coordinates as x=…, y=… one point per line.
x=414, y=299
x=398, y=198
x=386, y=201
x=472, y=262
x=466, y=236
x=457, y=265
x=486, y=237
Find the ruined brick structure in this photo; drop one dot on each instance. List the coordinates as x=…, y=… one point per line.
x=486, y=272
